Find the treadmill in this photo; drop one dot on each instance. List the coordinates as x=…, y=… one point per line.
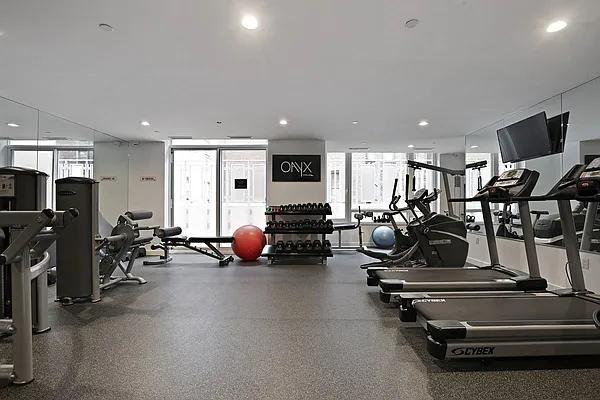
x=405, y=285
x=558, y=324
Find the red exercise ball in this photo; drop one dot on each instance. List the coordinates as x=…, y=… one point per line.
x=248, y=242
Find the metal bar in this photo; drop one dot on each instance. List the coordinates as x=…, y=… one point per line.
x=448, y=196
x=488, y=225
x=588, y=226
x=21, y=309
x=528, y=238
x=416, y=165
x=571, y=245
x=40, y=311
x=35, y=221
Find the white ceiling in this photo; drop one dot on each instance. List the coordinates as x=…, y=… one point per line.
x=321, y=64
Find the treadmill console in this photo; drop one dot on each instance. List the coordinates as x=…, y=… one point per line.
x=513, y=183
x=589, y=180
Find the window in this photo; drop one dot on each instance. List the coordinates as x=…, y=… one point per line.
x=424, y=178
x=205, y=198
x=242, y=206
x=336, y=184
x=373, y=176
x=471, y=181
x=194, y=191
x=57, y=163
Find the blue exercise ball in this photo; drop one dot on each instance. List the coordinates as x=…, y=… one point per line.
x=383, y=237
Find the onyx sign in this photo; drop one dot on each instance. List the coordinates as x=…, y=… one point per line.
x=296, y=168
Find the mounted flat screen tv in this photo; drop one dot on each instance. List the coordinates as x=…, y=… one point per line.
x=525, y=140
x=558, y=136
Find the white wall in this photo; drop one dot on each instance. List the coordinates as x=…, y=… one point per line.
x=147, y=160
x=296, y=192
x=111, y=160
x=552, y=260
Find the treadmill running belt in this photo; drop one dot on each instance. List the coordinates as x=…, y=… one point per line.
x=543, y=308
x=393, y=280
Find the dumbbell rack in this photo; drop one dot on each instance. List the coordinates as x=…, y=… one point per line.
x=274, y=256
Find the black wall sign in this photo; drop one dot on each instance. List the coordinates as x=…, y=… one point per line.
x=240, y=183
x=296, y=168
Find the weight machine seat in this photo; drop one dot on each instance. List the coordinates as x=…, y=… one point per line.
x=167, y=232
x=344, y=227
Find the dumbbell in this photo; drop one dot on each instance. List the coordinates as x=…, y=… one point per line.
x=280, y=246
x=308, y=245
x=299, y=246
x=473, y=227
x=470, y=218
x=326, y=245
x=329, y=224
x=327, y=208
x=320, y=224
x=289, y=246
x=317, y=245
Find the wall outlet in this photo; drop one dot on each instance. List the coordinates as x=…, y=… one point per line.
x=585, y=263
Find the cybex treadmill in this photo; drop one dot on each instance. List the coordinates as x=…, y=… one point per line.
x=550, y=325
x=404, y=285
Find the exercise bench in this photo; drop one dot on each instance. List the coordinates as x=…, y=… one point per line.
x=169, y=239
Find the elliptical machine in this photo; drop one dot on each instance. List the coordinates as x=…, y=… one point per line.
x=402, y=241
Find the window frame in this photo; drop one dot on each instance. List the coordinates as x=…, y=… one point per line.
x=349, y=211
x=218, y=149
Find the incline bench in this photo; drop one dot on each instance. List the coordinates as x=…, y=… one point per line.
x=169, y=239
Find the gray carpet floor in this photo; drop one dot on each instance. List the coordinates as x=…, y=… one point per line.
x=196, y=331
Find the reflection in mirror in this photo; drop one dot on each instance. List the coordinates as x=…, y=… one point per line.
x=18, y=124
x=581, y=144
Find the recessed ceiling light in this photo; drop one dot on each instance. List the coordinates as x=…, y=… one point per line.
x=411, y=23
x=354, y=122
x=106, y=27
x=250, y=22
x=423, y=123
x=410, y=146
x=474, y=146
x=283, y=122
x=13, y=124
x=556, y=26
x=145, y=123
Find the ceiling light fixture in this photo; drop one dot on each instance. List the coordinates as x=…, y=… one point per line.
x=283, y=122
x=411, y=146
x=358, y=148
x=250, y=22
x=106, y=27
x=556, y=26
x=13, y=125
x=474, y=146
x=423, y=123
x=354, y=122
x=411, y=23
x=145, y=123
x=219, y=122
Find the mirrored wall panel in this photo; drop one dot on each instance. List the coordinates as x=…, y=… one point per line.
x=573, y=124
